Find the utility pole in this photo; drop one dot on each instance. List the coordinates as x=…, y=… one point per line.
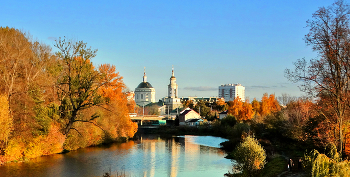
x=200, y=111
x=143, y=112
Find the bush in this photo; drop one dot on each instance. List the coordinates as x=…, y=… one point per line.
x=319, y=165
x=229, y=120
x=239, y=129
x=14, y=149
x=250, y=157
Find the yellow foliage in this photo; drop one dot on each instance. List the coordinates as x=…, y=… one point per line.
x=14, y=149
x=5, y=119
x=34, y=148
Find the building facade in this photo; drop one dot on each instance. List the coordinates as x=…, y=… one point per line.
x=230, y=91
x=188, y=114
x=145, y=93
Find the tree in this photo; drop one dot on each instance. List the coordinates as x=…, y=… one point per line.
x=25, y=78
x=285, y=99
x=269, y=105
x=328, y=75
x=221, y=105
x=250, y=156
x=235, y=107
x=202, y=108
x=246, y=112
x=79, y=82
x=5, y=119
x=188, y=104
x=297, y=114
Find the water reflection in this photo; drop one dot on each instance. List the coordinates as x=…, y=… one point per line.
x=150, y=156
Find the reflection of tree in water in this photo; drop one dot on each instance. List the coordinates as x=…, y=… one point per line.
x=150, y=155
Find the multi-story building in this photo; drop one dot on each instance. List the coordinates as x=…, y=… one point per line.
x=230, y=91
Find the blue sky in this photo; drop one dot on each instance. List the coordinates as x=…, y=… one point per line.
x=209, y=43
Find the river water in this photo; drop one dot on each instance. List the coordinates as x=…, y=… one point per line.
x=149, y=156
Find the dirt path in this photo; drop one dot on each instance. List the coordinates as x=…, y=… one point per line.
x=296, y=172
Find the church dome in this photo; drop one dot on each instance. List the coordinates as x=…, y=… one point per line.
x=145, y=85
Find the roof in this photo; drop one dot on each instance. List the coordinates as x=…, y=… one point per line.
x=195, y=120
x=144, y=85
x=223, y=112
x=185, y=112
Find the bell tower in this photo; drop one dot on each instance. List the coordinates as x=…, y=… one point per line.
x=172, y=101
x=172, y=87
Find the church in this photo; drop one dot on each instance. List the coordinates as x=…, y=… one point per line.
x=172, y=101
x=145, y=94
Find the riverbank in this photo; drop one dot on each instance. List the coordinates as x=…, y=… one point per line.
x=150, y=155
x=278, y=152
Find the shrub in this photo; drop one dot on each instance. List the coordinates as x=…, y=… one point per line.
x=14, y=149
x=319, y=165
x=250, y=156
x=229, y=120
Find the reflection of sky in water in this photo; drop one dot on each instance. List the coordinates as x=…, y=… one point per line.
x=211, y=141
x=150, y=156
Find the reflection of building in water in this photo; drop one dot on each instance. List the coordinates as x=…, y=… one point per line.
x=175, y=148
x=176, y=151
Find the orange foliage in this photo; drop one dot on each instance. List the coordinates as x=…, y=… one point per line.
x=269, y=105
x=235, y=107
x=117, y=119
x=5, y=119
x=53, y=142
x=256, y=107
x=300, y=110
x=247, y=111
x=241, y=110
x=221, y=102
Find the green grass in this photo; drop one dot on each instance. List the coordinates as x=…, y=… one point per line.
x=274, y=167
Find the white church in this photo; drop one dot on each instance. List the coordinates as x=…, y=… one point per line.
x=145, y=94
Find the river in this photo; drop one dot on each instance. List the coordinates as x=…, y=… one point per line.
x=149, y=156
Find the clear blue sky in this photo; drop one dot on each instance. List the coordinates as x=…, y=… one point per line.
x=209, y=42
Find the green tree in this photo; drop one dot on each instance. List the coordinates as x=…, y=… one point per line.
x=250, y=156
x=78, y=84
x=202, y=108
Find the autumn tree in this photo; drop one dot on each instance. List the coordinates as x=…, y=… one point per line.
x=327, y=75
x=246, y=112
x=235, y=107
x=269, y=105
x=221, y=105
x=5, y=120
x=256, y=107
x=116, y=120
x=79, y=82
x=25, y=77
x=297, y=114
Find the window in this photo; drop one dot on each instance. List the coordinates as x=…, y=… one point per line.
x=141, y=96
